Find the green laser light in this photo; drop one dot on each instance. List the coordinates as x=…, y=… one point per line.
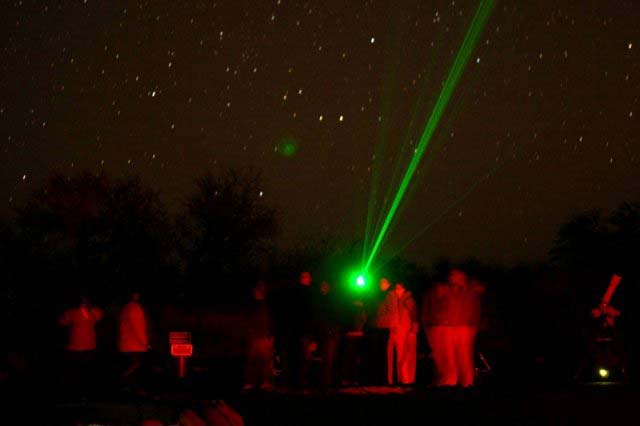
x=360, y=281
x=471, y=38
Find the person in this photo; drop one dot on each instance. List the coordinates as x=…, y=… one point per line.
x=133, y=338
x=381, y=311
x=258, y=371
x=402, y=337
x=466, y=305
x=301, y=345
x=354, y=321
x=327, y=331
x=451, y=315
x=81, y=322
x=435, y=319
x=81, y=344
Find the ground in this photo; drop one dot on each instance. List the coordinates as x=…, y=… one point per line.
x=582, y=405
x=49, y=397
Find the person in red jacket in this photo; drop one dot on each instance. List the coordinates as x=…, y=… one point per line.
x=436, y=321
x=81, y=343
x=450, y=316
x=403, y=332
x=81, y=322
x=466, y=315
x=133, y=339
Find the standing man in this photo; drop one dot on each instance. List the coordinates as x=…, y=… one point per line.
x=451, y=315
x=381, y=314
x=327, y=331
x=258, y=370
x=133, y=340
x=466, y=298
x=81, y=345
x=402, y=337
x=436, y=321
x=355, y=318
x=81, y=322
x=301, y=345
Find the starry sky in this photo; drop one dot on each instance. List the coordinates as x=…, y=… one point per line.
x=543, y=124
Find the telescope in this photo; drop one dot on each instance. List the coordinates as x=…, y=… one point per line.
x=613, y=285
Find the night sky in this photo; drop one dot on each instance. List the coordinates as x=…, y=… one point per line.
x=543, y=124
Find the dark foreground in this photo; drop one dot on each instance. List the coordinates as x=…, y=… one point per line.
x=585, y=405
x=48, y=396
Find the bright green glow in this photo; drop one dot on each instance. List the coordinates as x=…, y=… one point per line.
x=356, y=279
x=287, y=147
x=470, y=39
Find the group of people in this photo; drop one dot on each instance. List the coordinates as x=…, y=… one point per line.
x=133, y=336
x=371, y=339
x=368, y=337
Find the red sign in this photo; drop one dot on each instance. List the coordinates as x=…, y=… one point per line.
x=180, y=342
x=181, y=349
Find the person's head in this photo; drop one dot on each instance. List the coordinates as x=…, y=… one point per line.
x=384, y=285
x=305, y=279
x=400, y=289
x=325, y=288
x=259, y=290
x=84, y=301
x=135, y=296
x=457, y=278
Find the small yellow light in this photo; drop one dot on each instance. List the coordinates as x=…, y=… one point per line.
x=604, y=373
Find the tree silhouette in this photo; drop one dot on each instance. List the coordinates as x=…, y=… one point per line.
x=624, y=226
x=580, y=242
x=96, y=233
x=591, y=242
x=227, y=229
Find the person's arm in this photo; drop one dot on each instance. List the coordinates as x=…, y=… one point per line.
x=479, y=287
x=97, y=314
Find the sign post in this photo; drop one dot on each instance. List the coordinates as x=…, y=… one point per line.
x=182, y=349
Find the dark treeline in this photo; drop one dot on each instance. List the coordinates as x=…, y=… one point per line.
x=102, y=237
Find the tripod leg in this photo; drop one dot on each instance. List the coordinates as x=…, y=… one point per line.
x=484, y=361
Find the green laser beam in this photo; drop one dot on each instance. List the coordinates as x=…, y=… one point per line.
x=465, y=194
x=426, y=78
x=417, y=111
x=425, y=167
x=455, y=203
x=475, y=29
x=379, y=153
